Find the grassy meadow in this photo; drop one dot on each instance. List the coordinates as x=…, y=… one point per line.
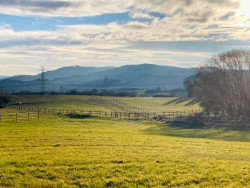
x=150, y=104
x=59, y=151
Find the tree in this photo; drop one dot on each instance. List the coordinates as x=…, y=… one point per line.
x=189, y=84
x=223, y=85
x=73, y=92
x=3, y=100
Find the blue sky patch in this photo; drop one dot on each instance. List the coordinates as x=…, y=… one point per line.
x=18, y=23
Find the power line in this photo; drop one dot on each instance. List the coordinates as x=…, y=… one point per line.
x=106, y=82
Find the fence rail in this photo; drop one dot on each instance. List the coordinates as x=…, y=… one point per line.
x=19, y=116
x=28, y=113
x=114, y=114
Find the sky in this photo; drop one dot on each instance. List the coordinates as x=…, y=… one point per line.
x=58, y=33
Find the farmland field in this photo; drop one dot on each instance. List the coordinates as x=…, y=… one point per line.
x=59, y=151
x=151, y=104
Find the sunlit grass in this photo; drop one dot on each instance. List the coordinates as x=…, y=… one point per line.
x=140, y=104
x=95, y=152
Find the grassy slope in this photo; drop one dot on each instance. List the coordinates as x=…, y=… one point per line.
x=162, y=104
x=120, y=104
x=62, y=152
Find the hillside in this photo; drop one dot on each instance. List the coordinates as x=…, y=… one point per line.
x=2, y=77
x=69, y=150
x=62, y=73
x=144, y=76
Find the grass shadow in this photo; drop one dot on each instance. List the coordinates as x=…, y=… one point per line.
x=182, y=100
x=187, y=130
x=191, y=102
x=185, y=125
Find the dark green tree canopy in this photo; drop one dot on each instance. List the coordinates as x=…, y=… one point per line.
x=3, y=99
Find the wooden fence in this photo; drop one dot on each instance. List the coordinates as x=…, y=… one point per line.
x=115, y=114
x=27, y=113
x=19, y=116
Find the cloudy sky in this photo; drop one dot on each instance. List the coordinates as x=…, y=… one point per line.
x=58, y=33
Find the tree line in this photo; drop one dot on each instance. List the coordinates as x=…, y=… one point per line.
x=3, y=99
x=222, y=85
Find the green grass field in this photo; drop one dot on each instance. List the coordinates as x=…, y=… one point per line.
x=150, y=104
x=58, y=151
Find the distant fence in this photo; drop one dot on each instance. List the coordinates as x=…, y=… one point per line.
x=19, y=116
x=117, y=115
x=112, y=103
x=116, y=104
x=192, y=116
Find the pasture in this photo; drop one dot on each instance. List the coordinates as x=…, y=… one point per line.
x=107, y=104
x=61, y=151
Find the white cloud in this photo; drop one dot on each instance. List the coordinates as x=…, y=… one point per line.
x=140, y=14
x=63, y=8
x=185, y=20
x=81, y=8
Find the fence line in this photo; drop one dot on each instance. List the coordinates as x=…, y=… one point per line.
x=115, y=103
x=19, y=116
x=118, y=115
x=190, y=115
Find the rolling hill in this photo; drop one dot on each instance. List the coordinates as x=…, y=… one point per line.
x=144, y=76
x=62, y=73
x=2, y=77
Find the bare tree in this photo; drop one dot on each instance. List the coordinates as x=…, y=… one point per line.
x=223, y=84
x=189, y=84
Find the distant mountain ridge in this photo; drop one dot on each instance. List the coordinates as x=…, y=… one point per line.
x=143, y=76
x=62, y=73
x=2, y=77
